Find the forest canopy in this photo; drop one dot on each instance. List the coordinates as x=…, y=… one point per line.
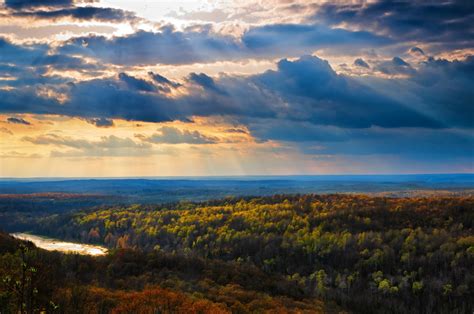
x=359, y=253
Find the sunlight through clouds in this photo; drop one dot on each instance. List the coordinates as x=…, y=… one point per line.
x=242, y=87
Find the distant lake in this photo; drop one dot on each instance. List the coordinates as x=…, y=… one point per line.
x=58, y=245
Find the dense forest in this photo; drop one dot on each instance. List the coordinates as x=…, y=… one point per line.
x=132, y=281
x=289, y=252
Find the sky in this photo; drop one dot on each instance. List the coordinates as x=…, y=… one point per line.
x=224, y=87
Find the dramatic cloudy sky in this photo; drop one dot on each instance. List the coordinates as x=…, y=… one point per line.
x=235, y=87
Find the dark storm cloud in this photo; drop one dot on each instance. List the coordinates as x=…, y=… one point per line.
x=58, y=9
x=300, y=39
x=19, y=60
x=163, y=81
x=26, y=100
x=20, y=54
x=15, y=120
x=106, y=99
x=192, y=45
x=80, y=13
x=29, y=77
x=361, y=63
x=63, y=62
x=137, y=84
x=417, y=50
x=36, y=3
x=320, y=95
x=114, y=99
x=182, y=47
x=231, y=96
x=395, y=66
x=425, y=21
x=101, y=122
x=167, y=47
x=397, y=61
x=306, y=91
x=205, y=82
x=447, y=89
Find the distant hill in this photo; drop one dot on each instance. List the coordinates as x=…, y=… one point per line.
x=162, y=190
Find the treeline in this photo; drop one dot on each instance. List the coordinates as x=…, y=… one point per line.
x=20, y=212
x=368, y=254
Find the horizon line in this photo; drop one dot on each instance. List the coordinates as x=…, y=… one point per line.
x=239, y=176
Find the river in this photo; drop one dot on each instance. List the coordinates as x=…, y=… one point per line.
x=58, y=245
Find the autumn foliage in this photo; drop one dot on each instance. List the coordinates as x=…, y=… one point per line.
x=289, y=253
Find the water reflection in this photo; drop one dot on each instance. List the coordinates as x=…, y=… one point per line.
x=58, y=245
